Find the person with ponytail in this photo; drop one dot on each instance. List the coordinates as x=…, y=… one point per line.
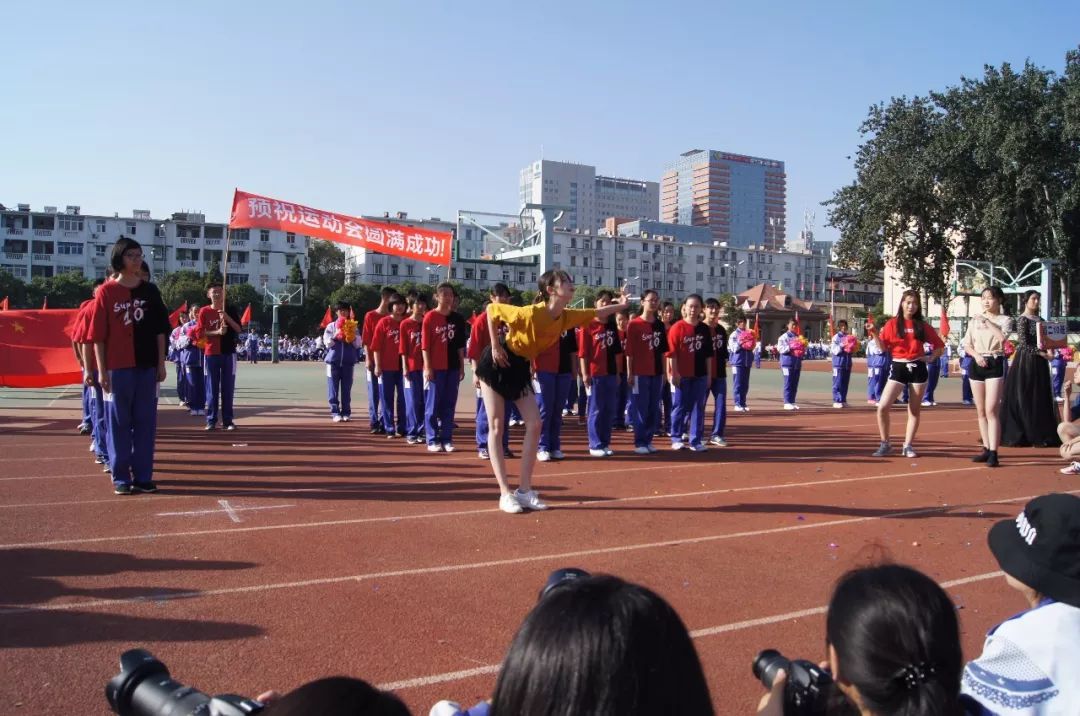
x=902, y=338
x=505, y=373
x=985, y=343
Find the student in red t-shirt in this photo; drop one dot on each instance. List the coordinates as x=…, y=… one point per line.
x=646, y=344
x=902, y=339
x=479, y=339
x=690, y=369
x=367, y=332
x=412, y=362
x=128, y=324
x=386, y=357
x=440, y=382
x=598, y=350
x=213, y=323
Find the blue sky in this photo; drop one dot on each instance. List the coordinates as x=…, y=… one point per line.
x=428, y=107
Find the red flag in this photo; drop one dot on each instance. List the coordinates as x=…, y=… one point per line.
x=45, y=304
x=832, y=331
x=4, y=305
x=798, y=328
x=35, y=350
x=327, y=318
x=174, y=317
x=945, y=328
x=757, y=328
x=246, y=318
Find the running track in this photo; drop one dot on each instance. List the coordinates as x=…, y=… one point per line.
x=295, y=548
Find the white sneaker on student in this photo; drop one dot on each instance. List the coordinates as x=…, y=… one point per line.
x=677, y=446
x=789, y=406
x=529, y=500
x=509, y=504
x=608, y=452
x=543, y=456
x=448, y=447
x=838, y=405
x=597, y=452
x=558, y=455
x=434, y=447
x=642, y=450
x=698, y=448
x=336, y=418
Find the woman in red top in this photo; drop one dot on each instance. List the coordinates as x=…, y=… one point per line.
x=902, y=339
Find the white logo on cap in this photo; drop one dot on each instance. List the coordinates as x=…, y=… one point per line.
x=1027, y=532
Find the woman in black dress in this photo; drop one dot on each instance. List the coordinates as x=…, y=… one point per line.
x=1029, y=417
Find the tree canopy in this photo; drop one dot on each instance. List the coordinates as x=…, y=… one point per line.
x=988, y=169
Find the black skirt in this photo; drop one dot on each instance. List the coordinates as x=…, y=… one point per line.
x=512, y=382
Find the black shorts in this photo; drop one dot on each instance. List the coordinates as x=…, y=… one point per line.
x=995, y=368
x=512, y=382
x=908, y=372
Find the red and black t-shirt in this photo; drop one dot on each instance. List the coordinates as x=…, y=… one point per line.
x=720, y=350
x=646, y=344
x=599, y=344
x=367, y=330
x=459, y=336
x=559, y=356
x=436, y=336
x=410, y=344
x=691, y=347
x=386, y=341
x=128, y=321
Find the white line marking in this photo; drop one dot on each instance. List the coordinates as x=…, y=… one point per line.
x=695, y=634
x=52, y=477
x=467, y=566
x=64, y=393
x=226, y=509
x=579, y=504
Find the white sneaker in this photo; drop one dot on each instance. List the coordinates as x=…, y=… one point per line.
x=698, y=448
x=838, y=405
x=597, y=452
x=434, y=447
x=796, y=406
x=509, y=504
x=746, y=409
x=608, y=452
x=789, y=406
x=642, y=450
x=543, y=456
x=718, y=441
x=558, y=455
x=652, y=449
x=336, y=418
x=677, y=446
x=448, y=447
x=926, y=403
x=446, y=708
x=738, y=408
x=344, y=418
x=529, y=500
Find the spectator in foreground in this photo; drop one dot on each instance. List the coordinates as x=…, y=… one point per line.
x=1030, y=662
x=893, y=646
x=335, y=696
x=1069, y=428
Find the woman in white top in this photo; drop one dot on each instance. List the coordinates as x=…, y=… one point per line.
x=985, y=343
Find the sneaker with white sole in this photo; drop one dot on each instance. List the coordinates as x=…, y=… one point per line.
x=717, y=441
x=529, y=500
x=698, y=447
x=434, y=447
x=642, y=450
x=483, y=454
x=883, y=449
x=597, y=452
x=838, y=405
x=908, y=451
x=608, y=452
x=448, y=447
x=336, y=418
x=677, y=446
x=789, y=406
x=652, y=448
x=543, y=456
x=738, y=408
x=558, y=455
x=345, y=418
x=510, y=505
x=1073, y=469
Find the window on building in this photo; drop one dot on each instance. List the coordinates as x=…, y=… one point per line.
x=506, y=277
x=700, y=276
x=468, y=253
x=585, y=243
x=264, y=257
x=131, y=227
x=470, y=274
x=573, y=242
x=99, y=250
x=584, y=260
x=558, y=248
x=599, y=244
x=700, y=259
x=290, y=237
x=483, y=275
x=100, y=226
x=71, y=223
x=671, y=285
x=521, y=277
x=632, y=254
x=680, y=286
x=393, y=269
x=65, y=248
x=573, y=260
x=377, y=269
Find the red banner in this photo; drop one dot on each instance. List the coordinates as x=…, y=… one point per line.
x=35, y=349
x=251, y=211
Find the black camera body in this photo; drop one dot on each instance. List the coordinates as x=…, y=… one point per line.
x=809, y=688
x=144, y=688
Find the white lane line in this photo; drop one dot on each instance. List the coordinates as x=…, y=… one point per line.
x=695, y=634
x=226, y=508
x=468, y=566
x=52, y=477
x=579, y=504
x=62, y=394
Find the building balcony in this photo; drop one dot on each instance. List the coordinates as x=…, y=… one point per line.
x=188, y=240
x=43, y=258
x=14, y=256
x=42, y=232
x=214, y=242
x=189, y=264
x=237, y=265
x=14, y=232
x=239, y=243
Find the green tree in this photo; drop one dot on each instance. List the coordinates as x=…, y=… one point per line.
x=66, y=290
x=183, y=287
x=213, y=274
x=296, y=274
x=14, y=289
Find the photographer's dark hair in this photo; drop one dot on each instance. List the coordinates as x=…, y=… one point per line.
x=337, y=696
x=917, y=321
x=897, y=639
x=122, y=245
x=604, y=647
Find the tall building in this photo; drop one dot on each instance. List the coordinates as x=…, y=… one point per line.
x=50, y=242
x=743, y=200
x=591, y=198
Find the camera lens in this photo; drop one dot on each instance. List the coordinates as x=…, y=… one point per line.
x=767, y=663
x=144, y=687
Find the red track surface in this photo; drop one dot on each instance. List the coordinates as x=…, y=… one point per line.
x=340, y=552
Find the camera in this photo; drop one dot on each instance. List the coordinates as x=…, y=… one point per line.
x=808, y=689
x=144, y=688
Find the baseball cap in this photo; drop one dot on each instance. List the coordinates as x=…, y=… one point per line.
x=1041, y=547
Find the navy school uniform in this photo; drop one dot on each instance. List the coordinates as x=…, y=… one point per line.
x=192, y=358
x=966, y=362
x=1057, y=374
x=599, y=345
x=438, y=337
x=841, y=365
x=646, y=344
x=718, y=387
x=474, y=350
x=386, y=342
x=790, y=365
x=341, y=359
x=877, y=373
x=691, y=348
x=554, y=373
x=174, y=356
x=933, y=368
x=740, y=360
x=219, y=364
